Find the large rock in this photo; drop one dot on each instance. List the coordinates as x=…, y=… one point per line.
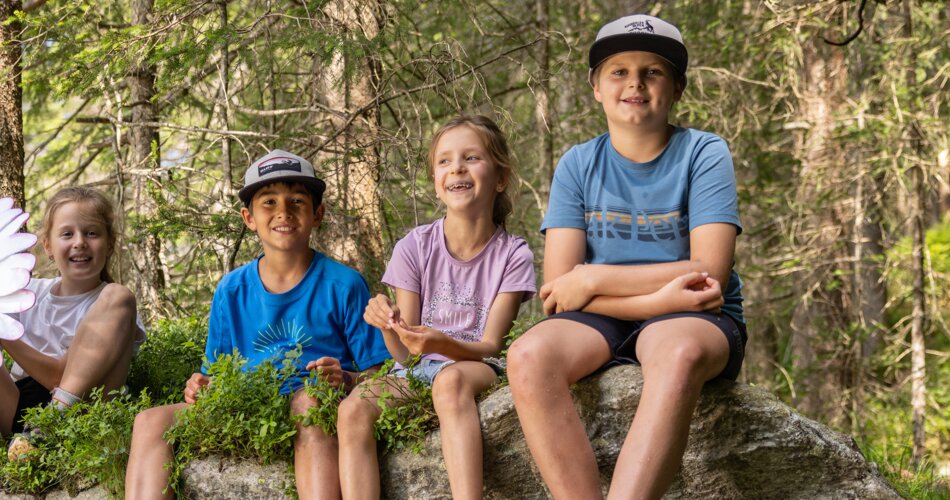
x=743, y=443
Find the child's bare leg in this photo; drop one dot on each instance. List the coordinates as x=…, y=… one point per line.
x=359, y=465
x=9, y=396
x=542, y=365
x=453, y=393
x=678, y=356
x=102, y=349
x=146, y=476
x=315, y=456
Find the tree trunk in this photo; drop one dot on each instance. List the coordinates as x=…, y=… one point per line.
x=351, y=162
x=11, y=109
x=918, y=196
x=144, y=146
x=543, y=109
x=822, y=307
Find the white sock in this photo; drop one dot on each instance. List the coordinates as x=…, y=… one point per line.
x=63, y=399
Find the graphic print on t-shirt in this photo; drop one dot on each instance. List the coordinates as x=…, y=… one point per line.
x=665, y=224
x=456, y=310
x=275, y=340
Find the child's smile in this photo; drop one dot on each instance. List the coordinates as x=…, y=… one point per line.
x=636, y=88
x=283, y=216
x=465, y=177
x=79, y=246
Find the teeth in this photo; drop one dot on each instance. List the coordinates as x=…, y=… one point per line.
x=460, y=186
x=80, y=259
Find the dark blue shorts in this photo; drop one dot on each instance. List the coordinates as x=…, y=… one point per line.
x=621, y=335
x=32, y=394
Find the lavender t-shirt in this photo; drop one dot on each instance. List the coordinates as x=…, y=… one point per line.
x=457, y=295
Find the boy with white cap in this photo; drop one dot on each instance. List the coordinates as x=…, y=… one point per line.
x=639, y=242
x=291, y=295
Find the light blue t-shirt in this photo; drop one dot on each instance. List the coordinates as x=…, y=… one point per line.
x=642, y=213
x=323, y=313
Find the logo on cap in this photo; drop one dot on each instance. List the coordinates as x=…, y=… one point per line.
x=639, y=26
x=278, y=164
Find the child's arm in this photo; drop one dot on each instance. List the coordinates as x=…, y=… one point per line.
x=422, y=339
x=47, y=370
x=690, y=292
x=331, y=371
x=382, y=313
x=711, y=251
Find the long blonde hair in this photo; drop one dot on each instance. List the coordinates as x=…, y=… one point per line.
x=97, y=206
x=497, y=146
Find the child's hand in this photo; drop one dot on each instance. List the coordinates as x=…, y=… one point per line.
x=194, y=385
x=329, y=370
x=568, y=292
x=417, y=339
x=691, y=292
x=381, y=312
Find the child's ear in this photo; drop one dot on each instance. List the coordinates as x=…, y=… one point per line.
x=318, y=215
x=47, y=249
x=248, y=219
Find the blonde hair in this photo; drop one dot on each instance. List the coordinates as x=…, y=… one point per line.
x=497, y=147
x=97, y=206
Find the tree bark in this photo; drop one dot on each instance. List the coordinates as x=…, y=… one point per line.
x=144, y=148
x=11, y=106
x=821, y=308
x=352, y=170
x=918, y=196
x=543, y=108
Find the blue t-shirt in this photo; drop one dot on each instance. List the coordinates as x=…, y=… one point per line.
x=642, y=213
x=323, y=313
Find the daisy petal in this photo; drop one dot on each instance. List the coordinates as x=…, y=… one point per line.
x=15, y=243
x=21, y=260
x=10, y=329
x=7, y=216
x=14, y=224
x=6, y=203
x=18, y=301
x=13, y=280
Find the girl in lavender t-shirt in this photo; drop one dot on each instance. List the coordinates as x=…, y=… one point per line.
x=459, y=282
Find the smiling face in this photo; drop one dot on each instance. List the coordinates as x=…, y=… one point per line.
x=465, y=176
x=78, y=243
x=636, y=89
x=283, y=216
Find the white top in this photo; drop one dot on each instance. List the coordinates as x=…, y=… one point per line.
x=51, y=323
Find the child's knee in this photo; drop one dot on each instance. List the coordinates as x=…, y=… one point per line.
x=300, y=403
x=118, y=298
x=450, y=390
x=153, y=421
x=526, y=357
x=355, y=415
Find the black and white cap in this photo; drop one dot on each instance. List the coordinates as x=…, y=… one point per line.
x=640, y=32
x=280, y=166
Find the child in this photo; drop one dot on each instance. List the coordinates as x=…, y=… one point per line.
x=459, y=283
x=290, y=284
x=83, y=329
x=639, y=241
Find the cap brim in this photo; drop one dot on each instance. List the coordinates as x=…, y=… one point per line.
x=665, y=47
x=316, y=185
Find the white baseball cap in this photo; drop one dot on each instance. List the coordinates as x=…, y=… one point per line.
x=280, y=166
x=640, y=32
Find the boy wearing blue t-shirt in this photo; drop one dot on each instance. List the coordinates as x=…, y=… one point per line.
x=639, y=241
x=289, y=296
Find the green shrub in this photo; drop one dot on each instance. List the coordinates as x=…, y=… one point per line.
x=240, y=414
x=408, y=413
x=170, y=354
x=88, y=443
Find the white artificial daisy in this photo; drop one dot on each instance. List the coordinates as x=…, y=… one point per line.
x=16, y=264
